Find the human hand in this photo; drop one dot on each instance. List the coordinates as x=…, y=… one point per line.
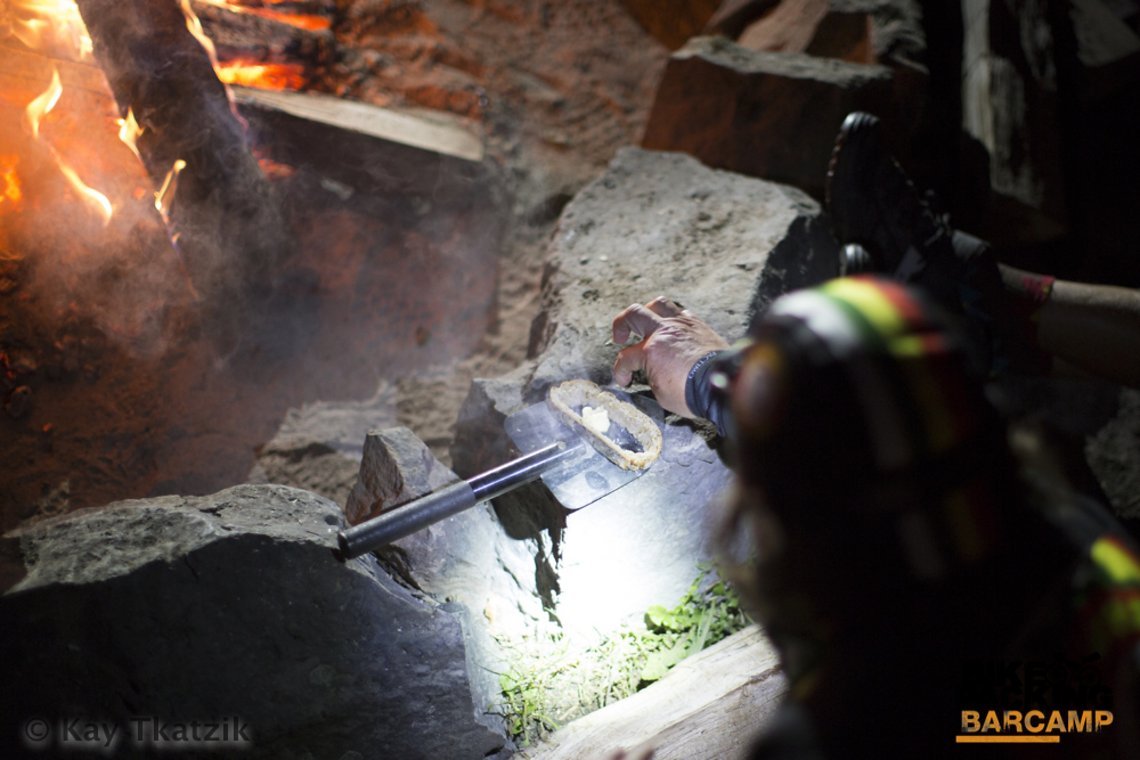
x=672, y=340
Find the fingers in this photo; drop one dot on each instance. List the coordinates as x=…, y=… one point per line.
x=635, y=320
x=629, y=360
x=665, y=307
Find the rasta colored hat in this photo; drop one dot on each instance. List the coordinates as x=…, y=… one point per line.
x=857, y=401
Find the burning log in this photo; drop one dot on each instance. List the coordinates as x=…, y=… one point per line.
x=268, y=47
x=77, y=228
x=442, y=136
x=225, y=215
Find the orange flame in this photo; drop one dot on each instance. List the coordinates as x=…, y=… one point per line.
x=308, y=21
x=40, y=107
x=42, y=104
x=129, y=132
x=194, y=24
x=165, y=195
x=10, y=192
x=92, y=197
x=267, y=76
x=42, y=24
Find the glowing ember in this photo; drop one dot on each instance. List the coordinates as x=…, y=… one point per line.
x=266, y=76
x=49, y=25
x=165, y=195
x=306, y=21
x=41, y=106
x=274, y=169
x=129, y=131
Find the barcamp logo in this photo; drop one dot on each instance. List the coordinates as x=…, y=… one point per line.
x=1029, y=727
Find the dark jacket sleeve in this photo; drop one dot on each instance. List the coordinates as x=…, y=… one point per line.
x=706, y=388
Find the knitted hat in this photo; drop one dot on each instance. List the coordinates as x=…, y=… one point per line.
x=856, y=413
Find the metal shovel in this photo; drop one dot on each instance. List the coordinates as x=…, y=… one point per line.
x=554, y=450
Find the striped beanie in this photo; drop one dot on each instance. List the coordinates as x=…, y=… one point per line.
x=855, y=409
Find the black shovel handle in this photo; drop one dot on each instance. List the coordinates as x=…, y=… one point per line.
x=422, y=512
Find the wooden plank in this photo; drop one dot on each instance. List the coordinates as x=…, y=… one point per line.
x=710, y=706
x=439, y=134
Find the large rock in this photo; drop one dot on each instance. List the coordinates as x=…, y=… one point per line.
x=1108, y=49
x=1010, y=107
x=1114, y=456
x=671, y=22
x=468, y=559
x=769, y=115
x=319, y=446
x=654, y=223
x=231, y=606
x=396, y=467
x=1100, y=140
x=859, y=31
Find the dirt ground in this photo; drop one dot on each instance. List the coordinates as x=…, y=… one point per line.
x=555, y=88
x=558, y=87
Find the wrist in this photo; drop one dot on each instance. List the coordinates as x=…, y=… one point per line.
x=700, y=396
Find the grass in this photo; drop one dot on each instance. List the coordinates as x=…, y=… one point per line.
x=553, y=680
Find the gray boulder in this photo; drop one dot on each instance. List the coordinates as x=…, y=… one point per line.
x=467, y=560
x=860, y=31
x=230, y=606
x=1114, y=456
x=396, y=467
x=765, y=114
x=1010, y=108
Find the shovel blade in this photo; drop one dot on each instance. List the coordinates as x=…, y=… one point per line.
x=585, y=476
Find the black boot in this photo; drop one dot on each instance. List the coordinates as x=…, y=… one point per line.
x=874, y=204
x=884, y=225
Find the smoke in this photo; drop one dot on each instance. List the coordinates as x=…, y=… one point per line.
x=67, y=263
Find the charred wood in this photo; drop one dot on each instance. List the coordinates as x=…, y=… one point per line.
x=252, y=38
x=230, y=228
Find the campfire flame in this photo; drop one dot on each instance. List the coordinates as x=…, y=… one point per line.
x=51, y=25
x=94, y=199
x=43, y=104
x=34, y=114
x=62, y=173
x=129, y=132
x=165, y=195
x=10, y=192
x=266, y=76
x=249, y=73
x=194, y=24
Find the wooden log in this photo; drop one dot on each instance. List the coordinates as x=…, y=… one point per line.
x=438, y=132
x=247, y=36
x=710, y=706
x=232, y=232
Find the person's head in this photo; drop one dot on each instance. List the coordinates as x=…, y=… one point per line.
x=865, y=449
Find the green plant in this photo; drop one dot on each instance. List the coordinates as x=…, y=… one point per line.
x=552, y=681
x=708, y=612
x=524, y=706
